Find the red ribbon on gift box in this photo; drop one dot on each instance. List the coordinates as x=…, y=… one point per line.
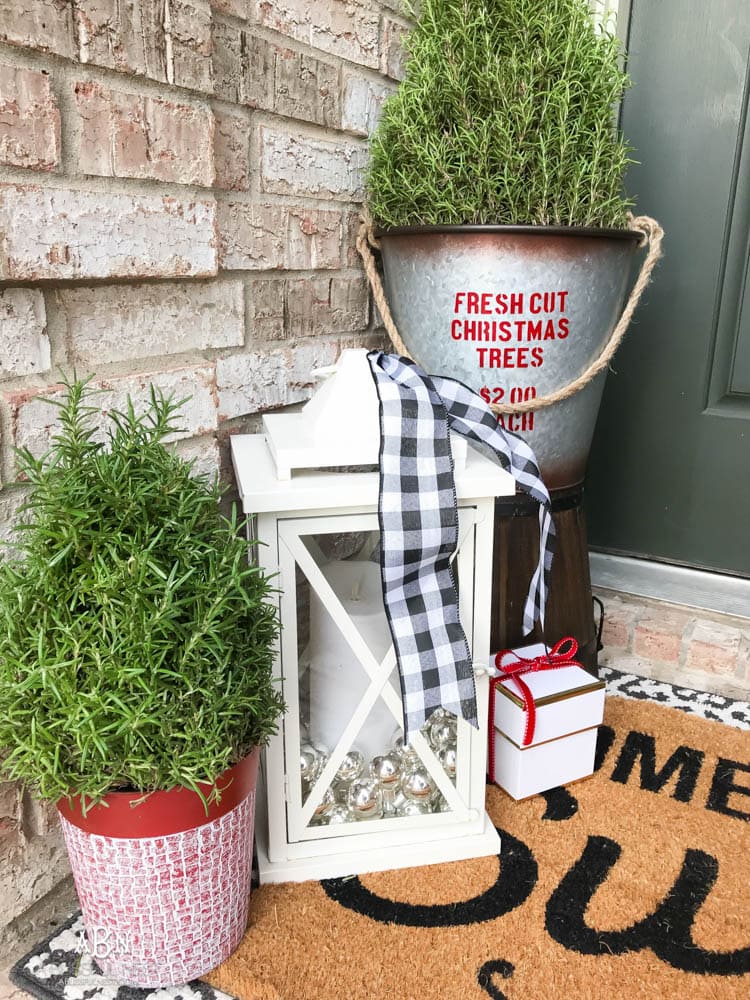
x=561, y=655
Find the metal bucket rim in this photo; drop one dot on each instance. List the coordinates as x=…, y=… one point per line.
x=528, y=230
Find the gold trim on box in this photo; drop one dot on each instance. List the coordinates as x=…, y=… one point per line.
x=551, y=699
x=533, y=746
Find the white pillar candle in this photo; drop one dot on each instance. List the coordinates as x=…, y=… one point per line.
x=338, y=680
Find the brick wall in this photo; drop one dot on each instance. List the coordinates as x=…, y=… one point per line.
x=179, y=189
x=680, y=645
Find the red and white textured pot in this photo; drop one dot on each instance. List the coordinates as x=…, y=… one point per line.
x=164, y=888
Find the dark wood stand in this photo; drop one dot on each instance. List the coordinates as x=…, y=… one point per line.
x=516, y=551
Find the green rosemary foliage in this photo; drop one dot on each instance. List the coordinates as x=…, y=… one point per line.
x=505, y=116
x=135, y=640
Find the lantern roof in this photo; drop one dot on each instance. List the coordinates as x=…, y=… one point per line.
x=339, y=426
x=338, y=429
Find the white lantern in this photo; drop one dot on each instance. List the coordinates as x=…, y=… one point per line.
x=339, y=794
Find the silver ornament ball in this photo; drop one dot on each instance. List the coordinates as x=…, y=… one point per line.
x=351, y=766
x=417, y=785
x=412, y=808
x=448, y=758
x=364, y=799
x=386, y=769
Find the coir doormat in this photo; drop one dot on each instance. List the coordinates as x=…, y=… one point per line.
x=632, y=884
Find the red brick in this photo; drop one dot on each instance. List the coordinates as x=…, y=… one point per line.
x=128, y=135
x=231, y=152
x=617, y=626
x=63, y=233
x=29, y=119
x=659, y=638
x=46, y=25
x=253, y=71
x=313, y=238
x=714, y=648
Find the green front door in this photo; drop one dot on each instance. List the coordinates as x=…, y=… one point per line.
x=669, y=476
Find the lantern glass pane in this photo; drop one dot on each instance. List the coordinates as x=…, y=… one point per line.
x=352, y=760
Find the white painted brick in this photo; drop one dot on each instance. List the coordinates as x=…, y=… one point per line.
x=346, y=28
x=204, y=451
x=363, y=102
x=392, y=54
x=268, y=237
x=24, y=344
x=169, y=42
x=61, y=233
x=119, y=322
x=237, y=8
x=247, y=383
x=34, y=420
x=294, y=164
x=11, y=499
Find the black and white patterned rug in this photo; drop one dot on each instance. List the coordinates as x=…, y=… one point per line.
x=63, y=968
x=715, y=707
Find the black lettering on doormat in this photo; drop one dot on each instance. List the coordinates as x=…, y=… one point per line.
x=492, y=968
x=515, y=881
x=667, y=931
x=723, y=786
x=686, y=760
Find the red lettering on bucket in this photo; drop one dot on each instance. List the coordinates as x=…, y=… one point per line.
x=546, y=304
x=510, y=357
x=516, y=422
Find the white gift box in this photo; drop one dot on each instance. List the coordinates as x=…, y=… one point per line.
x=569, y=705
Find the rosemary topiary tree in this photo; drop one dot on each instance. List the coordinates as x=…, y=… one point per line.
x=136, y=643
x=505, y=116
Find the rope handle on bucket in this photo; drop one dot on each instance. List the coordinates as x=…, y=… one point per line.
x=651, y=236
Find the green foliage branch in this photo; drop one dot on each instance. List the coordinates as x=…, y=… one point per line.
x=505, y=116
x=136, y=642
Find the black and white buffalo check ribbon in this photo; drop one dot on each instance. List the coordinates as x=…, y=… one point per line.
x=419, y=530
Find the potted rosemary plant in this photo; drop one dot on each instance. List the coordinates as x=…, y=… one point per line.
x=495, y=195
x=136, y=646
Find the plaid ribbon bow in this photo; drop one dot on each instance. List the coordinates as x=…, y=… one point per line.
x=418, y=517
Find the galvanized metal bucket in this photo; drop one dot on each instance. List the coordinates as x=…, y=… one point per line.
x=515, y=312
